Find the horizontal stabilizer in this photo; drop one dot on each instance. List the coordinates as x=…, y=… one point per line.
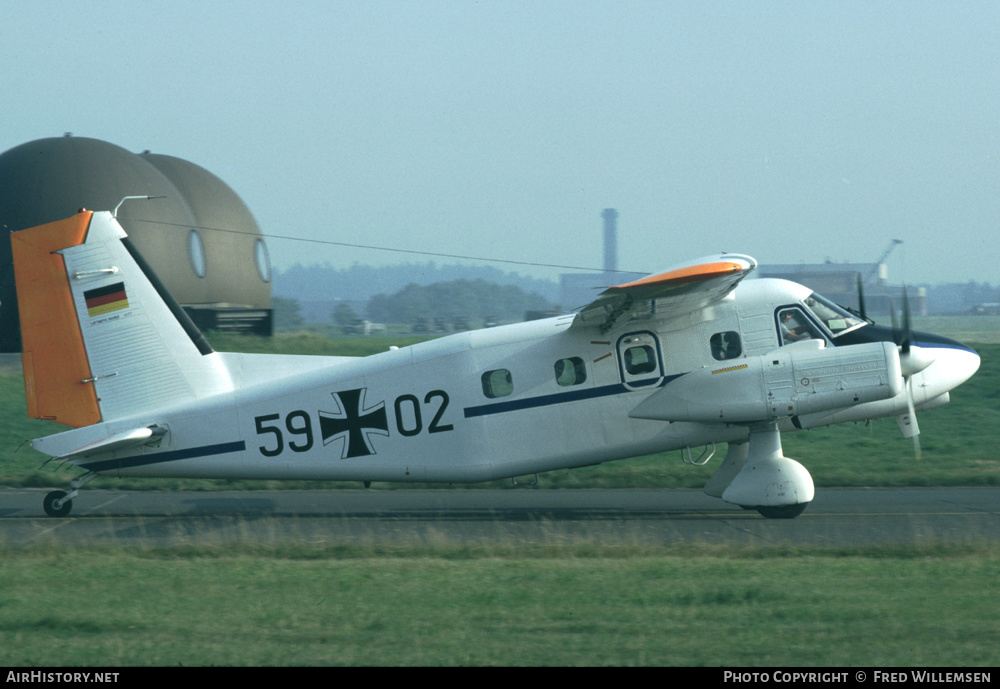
x=138, y=436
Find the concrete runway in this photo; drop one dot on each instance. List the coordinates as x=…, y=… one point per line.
x=865, y=517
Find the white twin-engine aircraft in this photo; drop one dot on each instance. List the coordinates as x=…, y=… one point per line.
x=687, y=358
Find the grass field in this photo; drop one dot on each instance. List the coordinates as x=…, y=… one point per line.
x=587, y=603
x=583, y=605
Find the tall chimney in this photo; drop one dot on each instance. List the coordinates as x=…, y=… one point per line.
x=610, y=216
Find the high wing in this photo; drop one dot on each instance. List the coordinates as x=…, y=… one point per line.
x=674, y=292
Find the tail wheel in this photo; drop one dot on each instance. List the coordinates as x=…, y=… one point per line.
x=64, y=506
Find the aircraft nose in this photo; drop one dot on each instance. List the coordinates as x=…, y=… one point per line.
x=956, y=364
x=970, y=363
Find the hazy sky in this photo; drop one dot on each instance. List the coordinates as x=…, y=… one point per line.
x=791, y=131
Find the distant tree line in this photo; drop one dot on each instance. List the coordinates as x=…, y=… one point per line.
x=359, y=283
x=476, y=299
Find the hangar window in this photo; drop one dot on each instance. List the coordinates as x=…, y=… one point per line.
x=263, y=259
x=726, y=345
x=641, y=359
x=570, y=371
x=196, y=253
x=497, y=383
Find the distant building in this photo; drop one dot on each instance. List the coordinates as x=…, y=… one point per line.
x=836, y=281
x=986, y=309
x=839, y=282
x=201, y=239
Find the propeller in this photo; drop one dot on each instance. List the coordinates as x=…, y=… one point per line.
x=911, y=362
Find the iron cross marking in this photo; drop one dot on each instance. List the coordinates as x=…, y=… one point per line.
x=353, y=423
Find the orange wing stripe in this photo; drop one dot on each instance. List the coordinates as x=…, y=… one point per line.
x=698, y=273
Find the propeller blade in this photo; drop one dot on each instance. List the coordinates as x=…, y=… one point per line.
x=914, y=427
x=861, y=298
x=897, y=334
x=905, y=344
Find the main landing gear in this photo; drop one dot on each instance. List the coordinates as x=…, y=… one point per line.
x=756, y=476
x=58, y=503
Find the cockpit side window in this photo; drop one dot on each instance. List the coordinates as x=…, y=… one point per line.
x=795, y=326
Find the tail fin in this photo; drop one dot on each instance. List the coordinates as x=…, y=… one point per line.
x=103, y=340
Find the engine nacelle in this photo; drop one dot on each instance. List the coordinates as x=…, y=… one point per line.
x=786, y=382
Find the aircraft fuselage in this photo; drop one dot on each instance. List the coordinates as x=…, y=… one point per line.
x=487, y=404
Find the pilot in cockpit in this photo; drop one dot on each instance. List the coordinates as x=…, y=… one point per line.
x=795, y=327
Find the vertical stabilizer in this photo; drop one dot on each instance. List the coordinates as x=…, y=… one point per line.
x=103, y=340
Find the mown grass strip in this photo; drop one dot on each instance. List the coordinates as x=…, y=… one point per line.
x=583, y=605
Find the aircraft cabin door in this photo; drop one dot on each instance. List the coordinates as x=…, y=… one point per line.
x=640, y=361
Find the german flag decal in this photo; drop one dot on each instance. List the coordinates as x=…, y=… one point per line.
x=106, y=299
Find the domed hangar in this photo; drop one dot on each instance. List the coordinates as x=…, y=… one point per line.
x=201, y=239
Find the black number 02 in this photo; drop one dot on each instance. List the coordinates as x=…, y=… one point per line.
x=412, y=423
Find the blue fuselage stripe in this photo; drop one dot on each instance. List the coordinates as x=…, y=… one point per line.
x=159, y=457
x=563, y=397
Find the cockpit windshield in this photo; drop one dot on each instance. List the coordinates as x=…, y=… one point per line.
x=836, y=318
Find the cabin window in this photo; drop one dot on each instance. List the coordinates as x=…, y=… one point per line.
x=497, y=383
x=726, y=345
x=570, y=371
x=639, y=360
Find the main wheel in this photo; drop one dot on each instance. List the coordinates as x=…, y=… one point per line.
x=49, y=504
x=783, y=511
